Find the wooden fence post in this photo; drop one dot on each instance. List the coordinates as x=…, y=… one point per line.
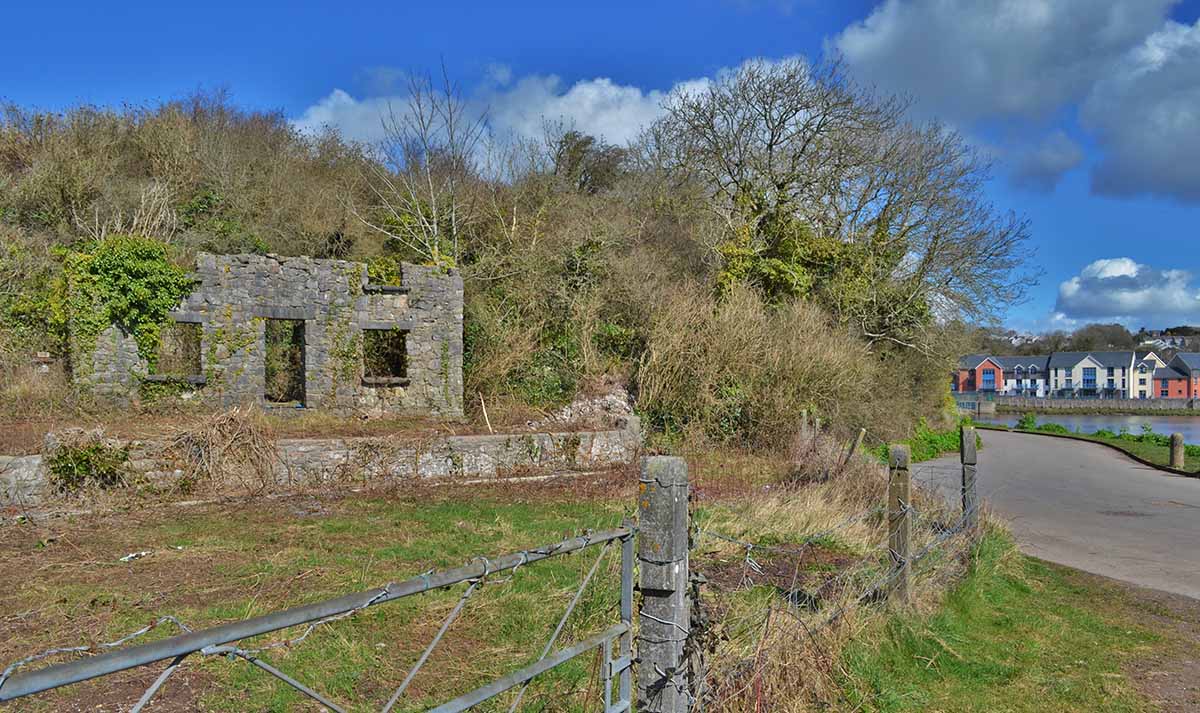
x=970, y=459
x=899, y=518
x=665, y=615
x=854, y=446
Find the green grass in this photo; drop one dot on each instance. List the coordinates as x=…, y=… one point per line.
x=1016, y=635
x=927, y=443
x=249, y=562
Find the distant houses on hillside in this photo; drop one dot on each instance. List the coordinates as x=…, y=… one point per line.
x=1081, y=375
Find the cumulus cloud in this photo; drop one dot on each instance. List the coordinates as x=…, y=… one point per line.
x=973, y=59
x=599, y=107
x=1041, y=166
x=1124, y=290
x=356, y=119
x=1133, y=74
x=514, y=106
x=1146, y=115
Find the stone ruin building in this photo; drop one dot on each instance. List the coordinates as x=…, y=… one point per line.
x=297, y=332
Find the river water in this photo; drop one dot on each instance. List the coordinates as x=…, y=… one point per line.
x=1189, y=426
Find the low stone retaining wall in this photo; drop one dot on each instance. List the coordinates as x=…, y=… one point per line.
x=1025, y=403
x=24, y=481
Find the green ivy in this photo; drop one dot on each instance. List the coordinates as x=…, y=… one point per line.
x=385, y=270
x=123, y=280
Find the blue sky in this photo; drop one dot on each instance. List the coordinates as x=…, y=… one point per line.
x=1090, y=109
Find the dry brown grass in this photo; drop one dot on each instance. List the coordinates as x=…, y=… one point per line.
x=233, y=448
x=769, y=647
x=743, y=371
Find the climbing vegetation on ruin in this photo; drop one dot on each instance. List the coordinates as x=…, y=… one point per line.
x=120, y=280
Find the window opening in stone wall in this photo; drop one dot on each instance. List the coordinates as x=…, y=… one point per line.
x=179, y=350
x=385, y=357
x=284, y=361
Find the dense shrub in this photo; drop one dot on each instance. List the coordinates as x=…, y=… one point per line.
x=90, y=462
x=738, y=372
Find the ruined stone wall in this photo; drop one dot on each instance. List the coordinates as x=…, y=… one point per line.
x=307, y=462
x=237, y=294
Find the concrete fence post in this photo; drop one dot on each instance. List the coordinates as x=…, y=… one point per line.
x=665, y=615
x=1178, y=451
x=899, y=519
x=970, y=459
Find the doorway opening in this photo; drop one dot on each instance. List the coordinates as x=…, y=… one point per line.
x=284, y=362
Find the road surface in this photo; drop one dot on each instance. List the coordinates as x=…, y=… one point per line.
x=1089, y=507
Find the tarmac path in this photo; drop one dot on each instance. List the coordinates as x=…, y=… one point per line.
x=1087, y=506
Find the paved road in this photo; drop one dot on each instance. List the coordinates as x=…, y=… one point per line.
x=1090, y=507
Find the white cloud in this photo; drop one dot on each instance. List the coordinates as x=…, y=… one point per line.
x=1133, y=74
x=1124, y=290
x=520, y=106
x=1146, y=114
x=599, y=107
x=356, y=119
x=973, y=59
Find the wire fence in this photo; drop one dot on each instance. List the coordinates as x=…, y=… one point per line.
x=688, y=656
x=615, y=641
x=808, y=601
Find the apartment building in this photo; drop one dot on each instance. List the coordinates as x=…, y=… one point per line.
x=1102, y=375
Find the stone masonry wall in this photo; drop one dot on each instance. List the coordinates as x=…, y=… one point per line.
x=237, y=294
x=369, y=460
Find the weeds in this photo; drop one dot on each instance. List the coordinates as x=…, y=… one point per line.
x=86, y=461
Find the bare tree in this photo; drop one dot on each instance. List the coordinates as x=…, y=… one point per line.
x=429, y=163
x=794, y=141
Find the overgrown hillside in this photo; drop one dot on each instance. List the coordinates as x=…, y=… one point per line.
x=780, y=241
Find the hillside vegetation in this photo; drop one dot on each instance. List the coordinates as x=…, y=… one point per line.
x=780, y=240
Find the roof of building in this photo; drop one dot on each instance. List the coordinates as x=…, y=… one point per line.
x=1067, y=360
x=1189, y=359
x=1169, y=373
x=971, y=361
x=1012, y=362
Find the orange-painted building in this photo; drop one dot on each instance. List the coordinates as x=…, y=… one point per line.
x=1188, y=366
x=1171, y=384
x=978, y=373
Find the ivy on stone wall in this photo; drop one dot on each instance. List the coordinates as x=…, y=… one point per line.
x=123, y=280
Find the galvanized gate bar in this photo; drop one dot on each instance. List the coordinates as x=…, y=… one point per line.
x=75, y=671
x=516, y=678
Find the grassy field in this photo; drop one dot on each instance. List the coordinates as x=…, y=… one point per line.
x=1015, y=631
x=65, y=585
x=1022, y=635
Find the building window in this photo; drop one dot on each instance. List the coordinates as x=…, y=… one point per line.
x=1164, y=393
x=1142, y=381
x=179, y=350
x=1089, y=378
x=385, y=357
x=989, y=380
x=1111, y=372
x=1069, y=380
